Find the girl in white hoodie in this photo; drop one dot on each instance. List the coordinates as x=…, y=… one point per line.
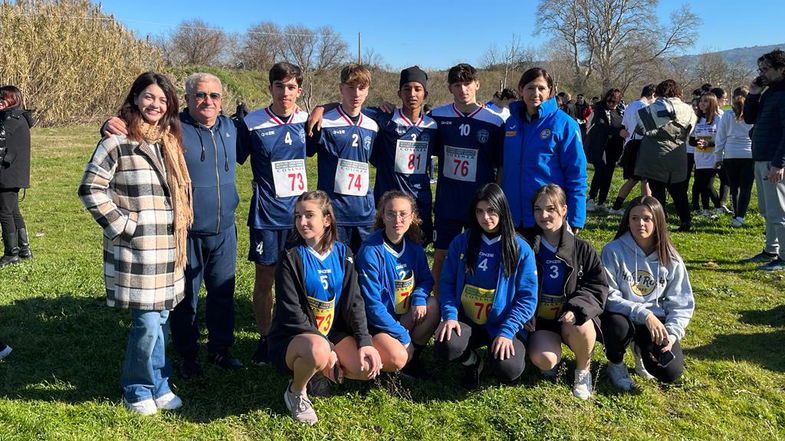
x=650, y=301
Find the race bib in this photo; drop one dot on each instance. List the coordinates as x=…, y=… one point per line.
x=351, y=178
x=289, y=178
x=549, y=306
x=324, y=312
x=403, y=293
x=460, y=164
x=477, y=303
x=411, y=157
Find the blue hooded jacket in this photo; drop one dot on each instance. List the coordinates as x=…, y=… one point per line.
x=516, y=296
x=211, y=157
x=545, y=150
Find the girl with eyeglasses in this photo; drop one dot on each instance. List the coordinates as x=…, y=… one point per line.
x=396, y=283
x=488, y=291
x=572, y=292
x=319, y=331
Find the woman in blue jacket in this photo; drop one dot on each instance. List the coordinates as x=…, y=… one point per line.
x=488, y=291
x=396, y=283
x=542, y=145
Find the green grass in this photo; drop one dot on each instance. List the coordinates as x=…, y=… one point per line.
x=61, y=381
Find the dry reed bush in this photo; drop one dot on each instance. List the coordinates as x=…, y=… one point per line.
x=73, y=63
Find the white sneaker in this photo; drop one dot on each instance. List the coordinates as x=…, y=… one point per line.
x=582, y=387
x=4, y=353
x=601, y=207
x=299, y=406
x=722, y=210
x=640, y=369
x=619, y=376
x=168, y=401
x=590, y=206
x=706, y=213
x=145, y=407
x=620, y=211
x=737, y=222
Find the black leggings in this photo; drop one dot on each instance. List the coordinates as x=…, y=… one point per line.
x=618, y=332
x=474, y=336
x=741, y=176
x=704, y=183
x=603, y=174
x=678, y=192
x=10, y=216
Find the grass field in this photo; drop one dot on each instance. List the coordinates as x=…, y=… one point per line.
x=61, y=381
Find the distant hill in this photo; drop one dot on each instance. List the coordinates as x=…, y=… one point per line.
x=747, y=56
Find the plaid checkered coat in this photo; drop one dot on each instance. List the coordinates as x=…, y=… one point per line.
x=125, y=189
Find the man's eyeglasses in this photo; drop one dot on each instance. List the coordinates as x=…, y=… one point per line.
x=391, y=215
x=203, y=95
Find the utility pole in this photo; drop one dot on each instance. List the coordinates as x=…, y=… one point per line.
x=359, y=57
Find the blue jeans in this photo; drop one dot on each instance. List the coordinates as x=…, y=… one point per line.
x=212, y=259
x=145, y=369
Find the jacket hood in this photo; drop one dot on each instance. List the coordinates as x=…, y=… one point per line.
x=684, y=112
x=631, y=246
x=18, y=113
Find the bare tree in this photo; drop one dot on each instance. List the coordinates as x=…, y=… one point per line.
x=262, y=46
x=512, y=57
x=196, y=42
x=614, y=39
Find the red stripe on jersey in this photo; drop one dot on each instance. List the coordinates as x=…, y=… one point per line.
x=349, y=120
x=471, y=115
x=407, y=121
x=275, y=118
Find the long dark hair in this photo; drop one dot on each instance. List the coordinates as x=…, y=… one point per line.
x=129, y=111
x=662, y=241
x=13, y=96
x=494, y=196
x=330, y=235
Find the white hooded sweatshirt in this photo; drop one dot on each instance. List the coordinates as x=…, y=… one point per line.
x=640, y=284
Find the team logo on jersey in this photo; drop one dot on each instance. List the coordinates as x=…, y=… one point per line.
x=545, y=134
x=228, y=135
x=367, y=142
x=400, y=130
x=482, y=136
x=511, y=133
x=642, y=283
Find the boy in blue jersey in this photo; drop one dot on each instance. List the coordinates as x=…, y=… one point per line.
x=469, y=152
x=276, y=146
x=344, y=145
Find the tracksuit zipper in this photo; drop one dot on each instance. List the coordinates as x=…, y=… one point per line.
x=218, y=179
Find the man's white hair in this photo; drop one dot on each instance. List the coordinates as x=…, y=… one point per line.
x=200, y=77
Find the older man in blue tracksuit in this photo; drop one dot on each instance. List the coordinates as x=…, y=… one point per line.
x=538, y=150
x=210, y=141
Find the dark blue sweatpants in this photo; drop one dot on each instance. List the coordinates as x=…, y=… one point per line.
x=212, y=259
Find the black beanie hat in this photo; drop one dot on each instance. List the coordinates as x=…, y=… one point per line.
x=414, y=73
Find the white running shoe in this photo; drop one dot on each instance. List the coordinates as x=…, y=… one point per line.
x=299, y=406
x=640, y=369
x=737, y=222
x=168, y=401
x=620, y=211
x=4, y=353
x=582, y=387
x=706, y=213
x=590, y=206
x=145, y=407
x=619, y=376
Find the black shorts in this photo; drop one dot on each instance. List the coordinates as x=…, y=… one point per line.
x=629, y=158
x=548, y=325
x=277, y=352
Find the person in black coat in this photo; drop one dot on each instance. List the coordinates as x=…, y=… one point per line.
x=15, y=123
x=604, y=146
x=573, y=289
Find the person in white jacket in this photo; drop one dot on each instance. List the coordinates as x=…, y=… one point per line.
x=650, y=301
x=734, y=153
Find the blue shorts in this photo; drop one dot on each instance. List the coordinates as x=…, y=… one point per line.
x=444, y=232
x=354, y=236
x=266, y=245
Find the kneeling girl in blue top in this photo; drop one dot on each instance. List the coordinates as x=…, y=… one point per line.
x=396, y=283
x=488, y=291
x=319, y=330
x=573, y=290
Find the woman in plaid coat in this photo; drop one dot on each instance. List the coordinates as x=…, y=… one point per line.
x=137, y=188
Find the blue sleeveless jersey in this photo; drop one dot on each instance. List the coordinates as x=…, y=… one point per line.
x=323, y=282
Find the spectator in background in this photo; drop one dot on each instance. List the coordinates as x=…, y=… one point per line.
x=662, y=160
x=765, y=107
x=630, y=121
x=733, y=153
x=722, y=100
x=240, y=111
x=568, y=106
x=582, y=113
x=500, y=103
x=604, y=146
x=15, y=123
x=703, y=139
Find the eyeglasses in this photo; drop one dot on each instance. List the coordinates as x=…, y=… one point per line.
x=391, y=215
x=203, y=95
